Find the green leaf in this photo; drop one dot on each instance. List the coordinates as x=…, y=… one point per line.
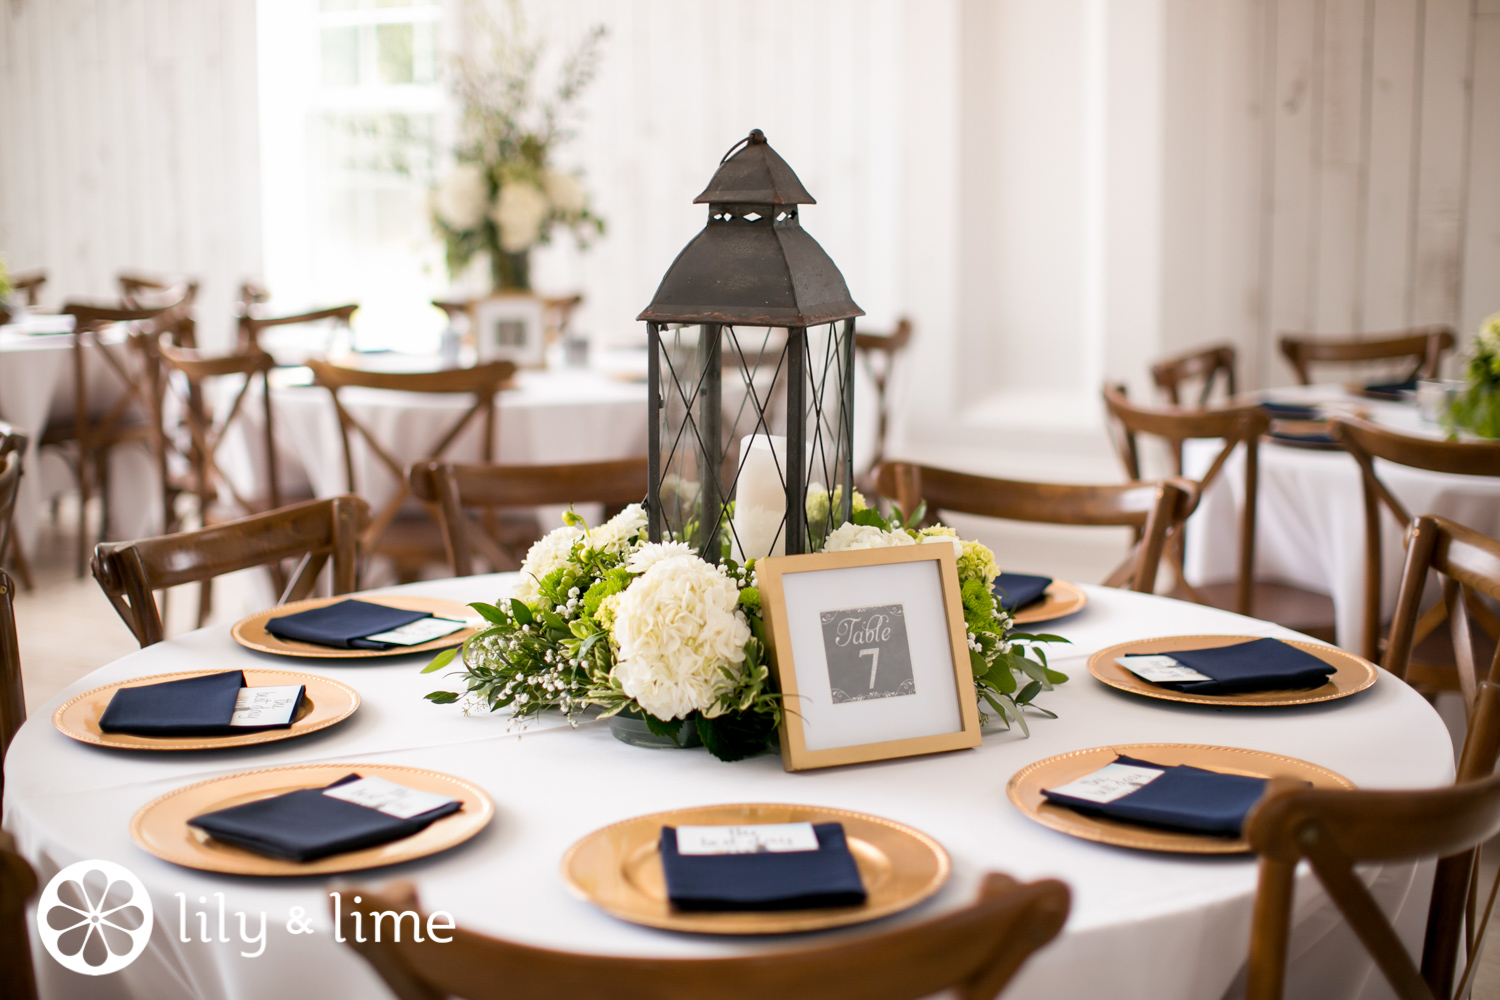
x=660, y=728
x=1029, y=692
x=579, y=629
x=917, y=515
x=869, y=518
x=977, y=663
x=441, y=660
x=520, y=612
x=1055, y=676
x=442, y=697
x=1000, y=677
x=1015, y=714
x=489, y=613
x=736, y=735
x=1038, y=637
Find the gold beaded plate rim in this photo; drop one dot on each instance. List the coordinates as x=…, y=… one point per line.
x=1059, y=600
x=326, y=702
x=618, y=869
x=1352, y=674
x=251, y=633
x=1025, y=791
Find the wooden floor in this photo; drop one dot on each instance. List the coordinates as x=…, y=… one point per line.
x=67, y=628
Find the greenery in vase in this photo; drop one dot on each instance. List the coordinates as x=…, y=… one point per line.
x=602, y=617
x=1477, y=406
x=5, y=287
x=502, y=196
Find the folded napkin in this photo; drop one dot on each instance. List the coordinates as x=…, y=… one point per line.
x=1259, y=665
x=307, y=824
x=1292, y=411
x=1178, y=798
x=1391, y=389
x=1016, y=590
x=790, y=880
x=194, y=706
x=344, y=624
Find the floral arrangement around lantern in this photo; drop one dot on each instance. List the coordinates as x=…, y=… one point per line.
x=1476, y=408
x=502, y=196
x=603, y=617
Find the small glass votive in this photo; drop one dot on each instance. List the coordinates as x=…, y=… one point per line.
x=576, y=352
x=1434, y=397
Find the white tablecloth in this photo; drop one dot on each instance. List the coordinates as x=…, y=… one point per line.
x=1142, y=926
x=1310, y=519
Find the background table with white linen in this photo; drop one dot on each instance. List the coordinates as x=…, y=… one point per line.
x=1309, y=526
x=1143, y=925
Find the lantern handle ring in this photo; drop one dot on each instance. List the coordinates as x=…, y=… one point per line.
x=755, y=138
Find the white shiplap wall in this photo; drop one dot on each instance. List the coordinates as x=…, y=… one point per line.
x=130, y=142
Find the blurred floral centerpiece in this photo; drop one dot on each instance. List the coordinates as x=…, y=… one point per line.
x=1477, y=406
x=503, y=196
x=603, y=617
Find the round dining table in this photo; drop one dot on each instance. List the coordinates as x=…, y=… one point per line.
x=1310, y=528
x=1143, y=925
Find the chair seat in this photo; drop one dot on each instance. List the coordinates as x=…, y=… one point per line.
x=1301, y=610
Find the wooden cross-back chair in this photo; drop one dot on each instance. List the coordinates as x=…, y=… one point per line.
x=312, y=534
x=179, y=294
x=12, y=450
x=209, y=485
x=885, y=346
x=973, y=951
x=482, y=382
x=1155, y=510
x=1235, y=426
x=1424, y=345
x=18, y=883
x=452, y=488
x=12, y=692
x=1206, y=363
x=1367, y=442
x=251, y=326
x=29, y=284
x=134, y=416
x=1334, y=830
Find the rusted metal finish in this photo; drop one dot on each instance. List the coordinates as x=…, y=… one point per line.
x=754, y=174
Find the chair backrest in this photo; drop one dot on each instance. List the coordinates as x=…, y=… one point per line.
x=18, y=884
x=12, y=693
x=1156, y=509
x=481, y=381
x=887, y=346
x=1367, y=442
x=1424, y=345
x=311, y=532
x=453, y=487
x=974, y=951
x=251, y=327
x=178, y=293
x=29, y=283
x=1334, y=830
x=1207, y=363
x=12, y=455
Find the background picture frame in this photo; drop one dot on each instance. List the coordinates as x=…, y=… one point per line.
x=870, y=650
x=509, y=328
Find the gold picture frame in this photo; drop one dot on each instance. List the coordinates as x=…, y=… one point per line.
x=809, y=691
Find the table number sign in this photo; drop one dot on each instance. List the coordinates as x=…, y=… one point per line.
x=870, y=652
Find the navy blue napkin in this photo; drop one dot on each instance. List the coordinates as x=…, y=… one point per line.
x=1183, y=798
x=193, y=706
x=788, y=880
x=1016, y=590
x=1292, y=411
x=344, y=624
x=1260, y=665
x=1391, y=390
x=306, y=824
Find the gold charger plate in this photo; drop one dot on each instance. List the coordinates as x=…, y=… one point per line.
x=1025, y=790
x=160, y=827
x=618, y=869
x=325, y=703
x=1352, y=674
x=251, y=632
x=1059, y=599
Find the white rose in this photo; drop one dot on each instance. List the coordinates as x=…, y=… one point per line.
x=566, y=193
x=864, y=536
x=549, y=552
x=519, y=212
x=461, y=199
x=678, y=626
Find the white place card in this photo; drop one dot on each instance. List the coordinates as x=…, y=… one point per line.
x=764, y=838
x=266, y=706
x=1160, y=669
x=1110, y=782
x=420, y=631
x=388, y=797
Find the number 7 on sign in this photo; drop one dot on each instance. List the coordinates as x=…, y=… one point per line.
x=874, y=655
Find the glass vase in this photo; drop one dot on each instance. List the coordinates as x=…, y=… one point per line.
x=630, y=727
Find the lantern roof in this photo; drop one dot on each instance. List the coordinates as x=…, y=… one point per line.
x=753, y=264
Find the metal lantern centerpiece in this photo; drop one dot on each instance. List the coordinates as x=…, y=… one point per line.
x=751, y=372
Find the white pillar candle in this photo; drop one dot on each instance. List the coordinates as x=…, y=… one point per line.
x=760, y=498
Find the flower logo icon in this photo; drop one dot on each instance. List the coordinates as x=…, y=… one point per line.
x=94, y=917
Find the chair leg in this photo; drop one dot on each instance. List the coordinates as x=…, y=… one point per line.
x=205, y=601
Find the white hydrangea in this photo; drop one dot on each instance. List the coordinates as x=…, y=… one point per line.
x=616, y=534
x=462, y=198
x=549, y=552
x=677, y=625
x=566, y=193
x=864, y=536
x=519, y=212
x=651, y=553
